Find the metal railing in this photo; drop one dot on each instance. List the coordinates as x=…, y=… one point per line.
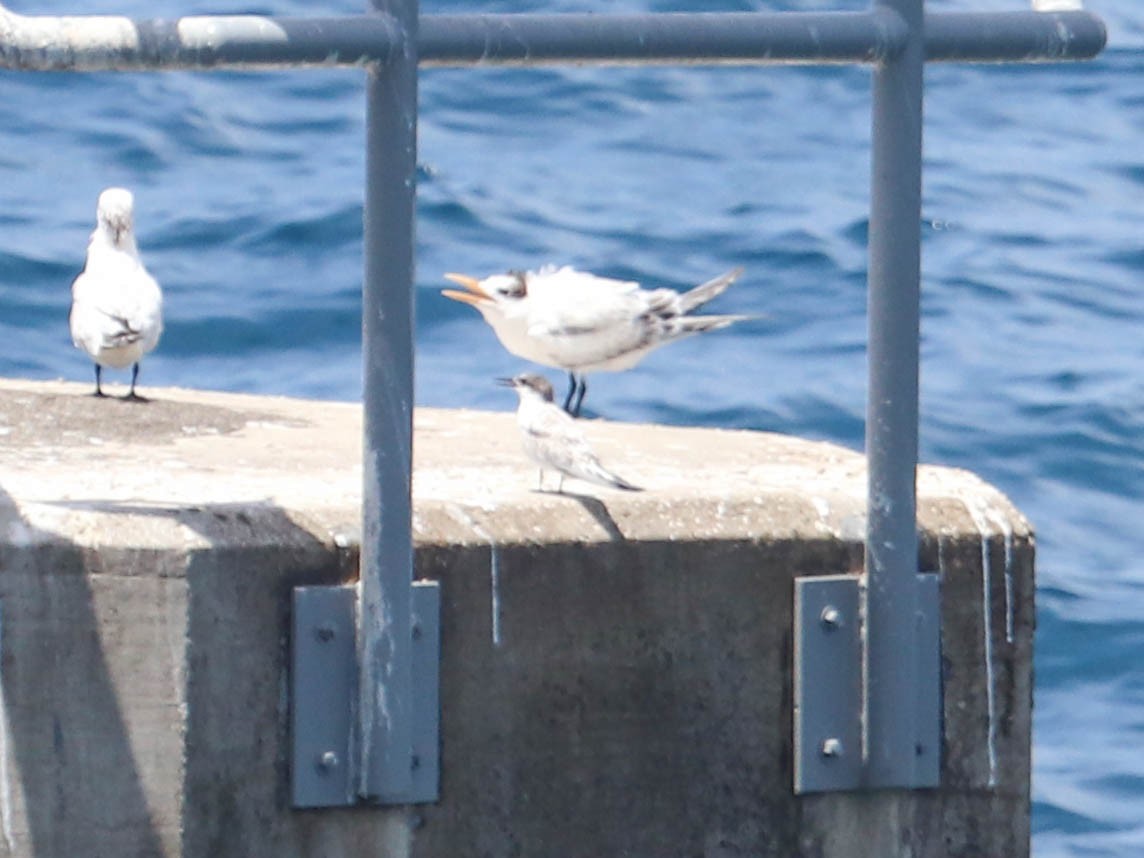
x=390, y=43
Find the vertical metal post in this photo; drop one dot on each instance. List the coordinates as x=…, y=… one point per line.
x=385, y=599
x=892, y=408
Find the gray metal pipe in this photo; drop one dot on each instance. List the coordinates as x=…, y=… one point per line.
x=709, y=38
x=112, y=43
x=386, y=580
x=892, y=408
x=753, y=38
x=92, y=43
x=1014, y=37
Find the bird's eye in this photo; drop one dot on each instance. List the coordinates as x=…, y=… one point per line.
x=516, y=287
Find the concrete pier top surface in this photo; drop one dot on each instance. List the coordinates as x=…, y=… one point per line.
x=64, y=453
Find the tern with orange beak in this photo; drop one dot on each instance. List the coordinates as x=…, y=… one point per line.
x=581, y=323
x=553, y=440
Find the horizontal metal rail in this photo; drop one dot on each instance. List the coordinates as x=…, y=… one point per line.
x=112, y=43
x=722, y=38
x=973, y=37
x=109, y=43
x=753, y=38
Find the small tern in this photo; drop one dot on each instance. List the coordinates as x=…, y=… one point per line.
x=552, y=439
x=117, y=307
x=581, y=323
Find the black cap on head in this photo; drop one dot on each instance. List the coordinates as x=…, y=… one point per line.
x=530, y=380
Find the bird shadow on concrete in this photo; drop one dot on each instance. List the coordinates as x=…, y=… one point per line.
x=595, y=508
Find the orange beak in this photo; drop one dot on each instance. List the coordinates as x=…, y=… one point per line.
x=476, y=295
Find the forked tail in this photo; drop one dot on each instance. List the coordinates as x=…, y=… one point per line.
x=705, y=292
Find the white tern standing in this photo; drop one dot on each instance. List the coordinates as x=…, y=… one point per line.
x=581, y=323
x=117, y=307
x=552, y=439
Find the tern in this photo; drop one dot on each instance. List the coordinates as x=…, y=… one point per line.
x=552, y=439
x=582, y=323
x=117, y=307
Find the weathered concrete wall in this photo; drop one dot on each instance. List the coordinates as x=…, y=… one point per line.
x=616, y=668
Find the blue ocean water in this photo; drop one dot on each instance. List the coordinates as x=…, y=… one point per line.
x=249, y=189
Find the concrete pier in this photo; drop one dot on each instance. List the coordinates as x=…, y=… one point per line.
x=616, y=667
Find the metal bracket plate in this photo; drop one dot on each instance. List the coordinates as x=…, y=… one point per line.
x=828, y=728
x=323, y=690
x=426, y=759
x=927, y=771
x=323, y=677
x=827, y=684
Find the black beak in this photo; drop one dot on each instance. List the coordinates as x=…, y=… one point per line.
x=506, y=382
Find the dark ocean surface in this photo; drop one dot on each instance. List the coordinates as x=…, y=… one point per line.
x=249, y=194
